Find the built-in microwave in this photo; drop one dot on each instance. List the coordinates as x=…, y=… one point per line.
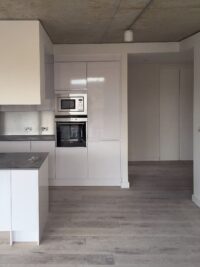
x=71, y=104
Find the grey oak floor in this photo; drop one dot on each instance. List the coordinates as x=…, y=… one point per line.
x=153, y=224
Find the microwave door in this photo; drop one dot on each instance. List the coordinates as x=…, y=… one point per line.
x=68, y=104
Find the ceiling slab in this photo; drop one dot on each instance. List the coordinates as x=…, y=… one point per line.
x=168, y=21
x=104, y=21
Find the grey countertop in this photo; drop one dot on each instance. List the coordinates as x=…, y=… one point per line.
x=22, y=160
x=27, y=137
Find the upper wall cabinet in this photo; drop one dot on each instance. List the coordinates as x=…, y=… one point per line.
x=23, y=47
x=70, y=76
x=103, y=101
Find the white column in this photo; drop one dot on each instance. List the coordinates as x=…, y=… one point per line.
x=196, y=126
x=124, y=121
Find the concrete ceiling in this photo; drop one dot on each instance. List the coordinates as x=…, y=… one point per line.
x=103, y=21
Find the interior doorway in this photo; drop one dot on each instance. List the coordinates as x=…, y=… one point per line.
x=160, y=112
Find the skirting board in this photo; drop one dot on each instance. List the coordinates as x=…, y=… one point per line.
x=125, y=185
x=196, y=200
x=85, y=182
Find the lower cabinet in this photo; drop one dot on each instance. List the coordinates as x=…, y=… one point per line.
x=71, y=165
x=46, y=146
x=98, y=164
x=104, y=163
x=24, y=203
x=14, y=146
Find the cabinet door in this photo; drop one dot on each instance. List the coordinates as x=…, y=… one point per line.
x=20, y=81
x=14, y=146
x=71, y=164
x=104, y=162
x=46, y=146
x=103, y=100
x=70, y=76
x=5, y=200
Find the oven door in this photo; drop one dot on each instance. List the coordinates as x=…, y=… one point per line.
x=71, y=133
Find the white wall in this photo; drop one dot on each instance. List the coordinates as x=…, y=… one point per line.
x=193, y=43
x=160, y=111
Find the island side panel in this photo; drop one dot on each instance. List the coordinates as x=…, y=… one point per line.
x=5, y=201
x=43, y=196
x=25, y=213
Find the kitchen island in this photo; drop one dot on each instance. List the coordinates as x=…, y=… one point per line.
x=23, y=195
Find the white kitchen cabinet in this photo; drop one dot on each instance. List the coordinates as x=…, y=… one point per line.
x=104, y=163
x=46, y=146
x=22, y=67
x=5, y=201
x=103, y=100
x=24, y=203
x=70, y=76
x=71, y=165
x=14, y=146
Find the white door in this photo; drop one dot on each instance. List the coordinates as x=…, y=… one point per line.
x=103, y=100
x=71, y=164
x=70, y=76
x=14, y=146
x=5, y=200
x=104, y=162
x=169, y=114
x=46, y=146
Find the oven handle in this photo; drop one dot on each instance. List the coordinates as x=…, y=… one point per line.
x=70, y=119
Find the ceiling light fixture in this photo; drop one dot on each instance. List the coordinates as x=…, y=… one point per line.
x=128, y=33
x=128, y=36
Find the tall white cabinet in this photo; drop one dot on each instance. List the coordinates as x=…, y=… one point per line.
x=104, y=122
x=99, y=162
x=103, y=101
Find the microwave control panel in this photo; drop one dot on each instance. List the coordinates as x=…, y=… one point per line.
x=80, y=104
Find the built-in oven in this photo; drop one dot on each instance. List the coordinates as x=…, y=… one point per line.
x=71, y=104
x=71, y=132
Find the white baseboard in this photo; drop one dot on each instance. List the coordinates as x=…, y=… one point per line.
x=196, y=200
x=83, y=182
x=125, y=184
